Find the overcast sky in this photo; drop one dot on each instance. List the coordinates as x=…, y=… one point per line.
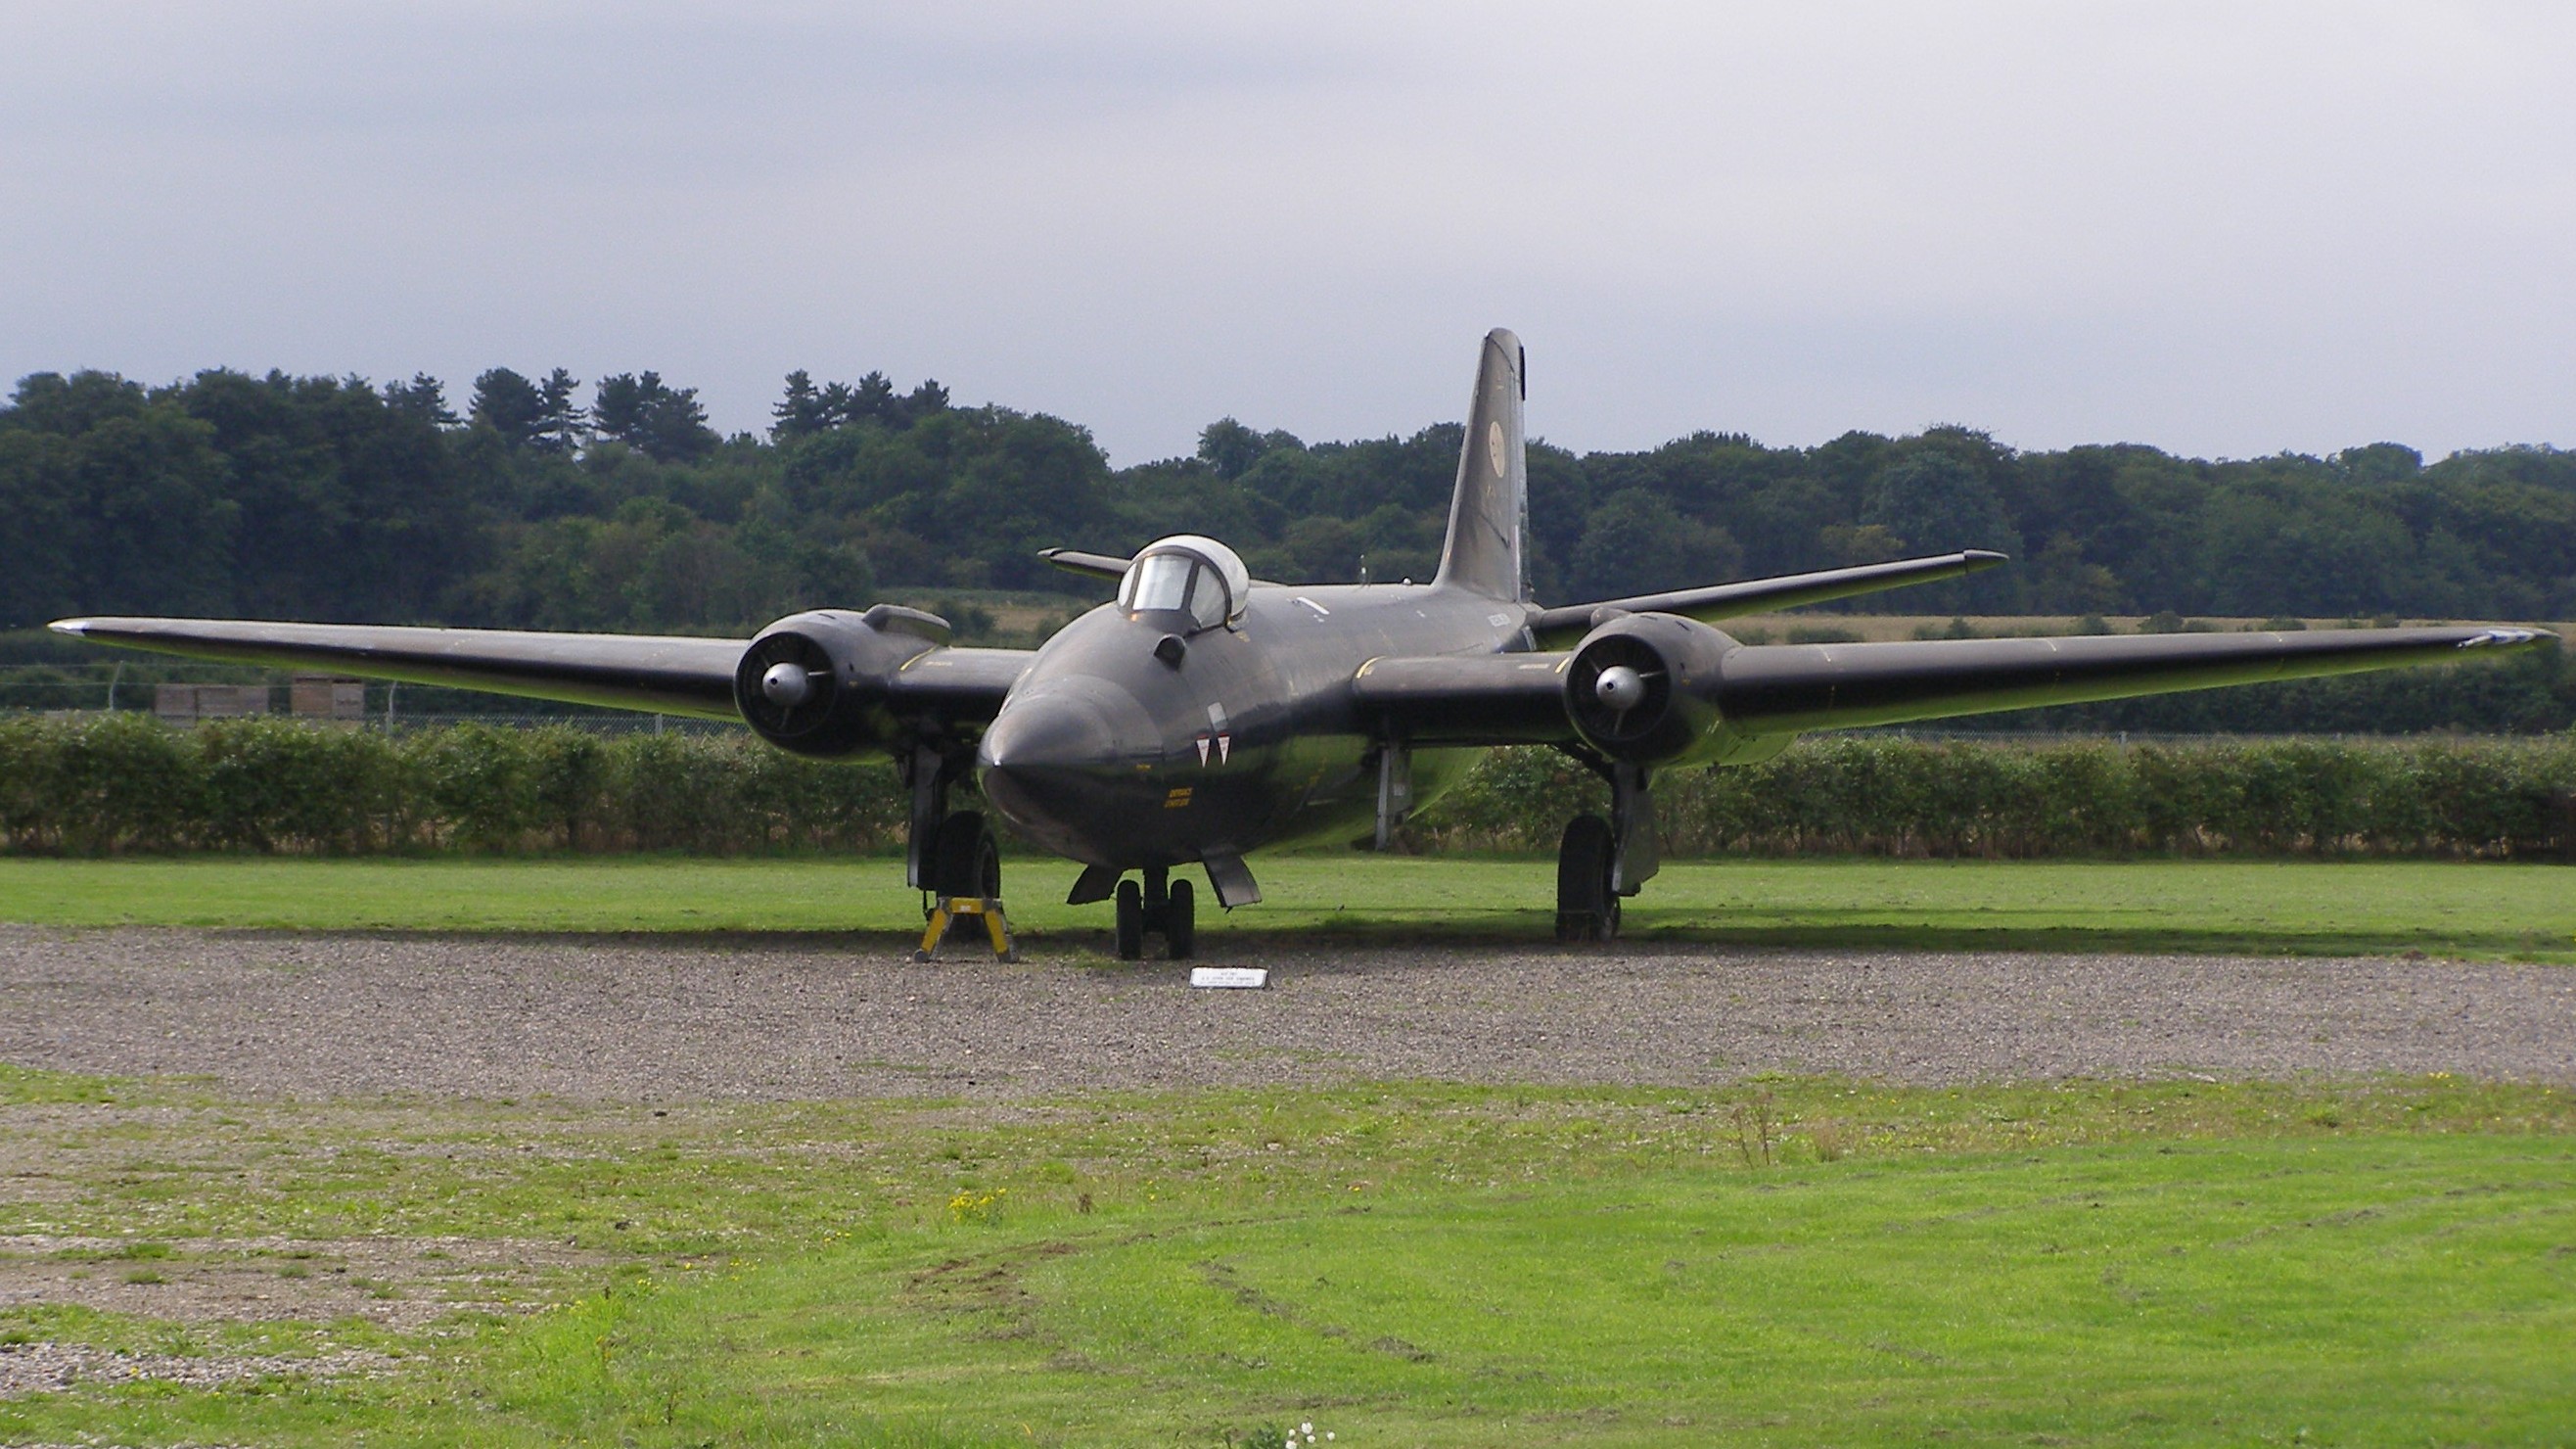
x=2225, y=229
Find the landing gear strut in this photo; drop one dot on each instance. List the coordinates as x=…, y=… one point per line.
x=947, y=852
x=1600, y=862
x=1160, y=906
x=951, y=856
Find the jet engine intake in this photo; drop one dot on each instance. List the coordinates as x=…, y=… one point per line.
x=1640, y=686
x=815, y=683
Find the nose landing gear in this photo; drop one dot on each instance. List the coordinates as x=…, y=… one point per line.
x=1162, y=907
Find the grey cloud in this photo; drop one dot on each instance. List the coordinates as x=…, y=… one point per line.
x=2225, y=229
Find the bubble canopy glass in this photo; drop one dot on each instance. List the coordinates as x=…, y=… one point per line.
x=1186, y=574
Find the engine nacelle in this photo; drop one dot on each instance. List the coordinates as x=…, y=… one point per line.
x=815, y=683
x=1641, y=688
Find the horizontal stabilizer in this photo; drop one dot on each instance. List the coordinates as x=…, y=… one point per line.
x=1754, y=596
x=1075, y=561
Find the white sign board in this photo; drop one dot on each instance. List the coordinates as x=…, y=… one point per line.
x=1252, y=977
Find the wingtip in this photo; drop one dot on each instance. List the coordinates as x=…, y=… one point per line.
x=2506, y=638
x=74, y=627
x=1984, y=558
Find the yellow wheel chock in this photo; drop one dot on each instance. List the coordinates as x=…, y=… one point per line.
x=947, y=909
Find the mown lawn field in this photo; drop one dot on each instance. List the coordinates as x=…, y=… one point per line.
x=1780, y=1262
x=2517, y=911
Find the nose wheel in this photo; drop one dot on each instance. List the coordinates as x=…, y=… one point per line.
x=1157, y=906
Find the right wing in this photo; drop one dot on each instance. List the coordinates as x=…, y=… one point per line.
x=661, y=673
x=664, y=674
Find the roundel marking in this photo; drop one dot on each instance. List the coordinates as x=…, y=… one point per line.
x=1494, y=446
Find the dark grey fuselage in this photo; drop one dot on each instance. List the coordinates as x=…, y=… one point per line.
x=1106, y=753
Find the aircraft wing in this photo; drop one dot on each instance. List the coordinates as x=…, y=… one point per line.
x=958, y=682
x=1469, y=699
x=661, y=673
x=1780, y=690
x=1793, y=687
x=1569, y=622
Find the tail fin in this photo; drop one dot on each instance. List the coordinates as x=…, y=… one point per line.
x=1489, y=516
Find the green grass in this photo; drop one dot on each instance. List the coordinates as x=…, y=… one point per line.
x=2484, y=910
x=2366, y=1292
x=2389, y=1261
x=1781, y=1261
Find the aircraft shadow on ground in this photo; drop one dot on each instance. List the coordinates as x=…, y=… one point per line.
x=1529, y=931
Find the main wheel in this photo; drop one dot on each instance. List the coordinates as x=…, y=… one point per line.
x=1586, y=909
x=964, y=859
x=1131, y=921
x=1180, y=929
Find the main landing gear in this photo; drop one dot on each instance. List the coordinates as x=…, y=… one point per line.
x=952, y=857
x=1600, y=862
x=1160, y=906
x=965, y=860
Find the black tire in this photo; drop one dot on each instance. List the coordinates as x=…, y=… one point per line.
x=1586, y=910
x=964, y=858
x=1180, y=923
x=1131, y=921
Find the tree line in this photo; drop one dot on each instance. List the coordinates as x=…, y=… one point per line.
x=533, y=505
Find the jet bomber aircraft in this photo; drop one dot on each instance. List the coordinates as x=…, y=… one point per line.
x=1206, y=714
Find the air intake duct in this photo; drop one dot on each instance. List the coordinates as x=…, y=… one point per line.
x=1640, y=685
x=815, y=683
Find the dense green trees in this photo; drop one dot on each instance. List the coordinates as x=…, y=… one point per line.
x=338, y=499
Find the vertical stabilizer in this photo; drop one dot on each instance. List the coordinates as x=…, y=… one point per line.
x=1489, y=514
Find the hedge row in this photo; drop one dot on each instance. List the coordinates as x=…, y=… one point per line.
x=1878, y=795
x=126, y=783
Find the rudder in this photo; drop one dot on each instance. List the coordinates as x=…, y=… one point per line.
x=1489, y=513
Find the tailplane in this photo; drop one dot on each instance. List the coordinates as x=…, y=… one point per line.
x=1489, y=515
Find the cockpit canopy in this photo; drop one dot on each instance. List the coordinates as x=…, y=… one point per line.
x=1196, y=576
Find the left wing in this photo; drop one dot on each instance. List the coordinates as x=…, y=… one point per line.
x=1469, y=699
x=1737, y=694
x=1796, y=687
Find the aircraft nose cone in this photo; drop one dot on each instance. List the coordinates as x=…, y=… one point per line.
x=1055, y=763
x=1045, y=735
